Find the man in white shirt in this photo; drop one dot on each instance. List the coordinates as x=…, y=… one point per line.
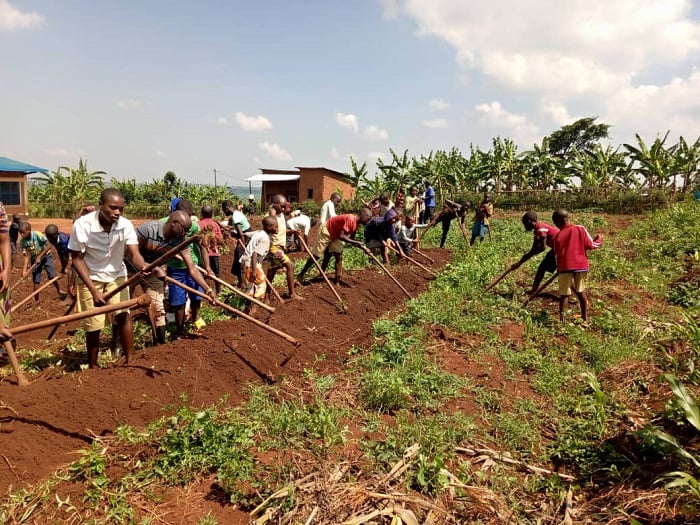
x=328, y=208
x=98, y=243
x=301, y=223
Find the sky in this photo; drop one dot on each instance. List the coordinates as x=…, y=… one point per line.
x=214, y=90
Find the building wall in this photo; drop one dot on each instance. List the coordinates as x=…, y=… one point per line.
x=317, y=184
x=8, y=179
x=287, y=188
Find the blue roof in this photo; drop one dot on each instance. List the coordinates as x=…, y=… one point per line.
x=19, y=167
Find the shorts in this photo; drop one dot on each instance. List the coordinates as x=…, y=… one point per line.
x=46, y=263
x=249, y=286
x=155, y=289
x=324, y=242
x=479, y=229
x=374, y=243
x=549, y=263
x=177, y=296
x=85, y=301
x=276, y=257
x=573, y=280
x=214, y=265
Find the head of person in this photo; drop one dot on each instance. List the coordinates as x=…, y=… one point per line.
x=207, y=212
x=560, y=218
x=185, y=206
x=413, y=190
x=410, y=221
x=25, y=229
x=16, y=217
x=384, y=198
x=227, y=207
x=375, y=207
x=111, y=205
x=365, y=215
x=178, y=224
x=487, y=197
x=269, y=225
x=279, y=203
x=240, y=205
x=391, y=216
x=529, y=220
x=464, y=209
x=427, y=184
x=251, y=197
x=336, y=198
x=51, y=232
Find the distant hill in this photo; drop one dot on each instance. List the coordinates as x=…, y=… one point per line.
x=243, y=191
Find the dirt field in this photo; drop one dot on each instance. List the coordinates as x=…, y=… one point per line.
x=59, y=413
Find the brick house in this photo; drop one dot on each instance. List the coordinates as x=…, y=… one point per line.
x=13, y=184
x=303, y=184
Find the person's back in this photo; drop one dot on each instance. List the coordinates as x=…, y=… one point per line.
x=570, y=245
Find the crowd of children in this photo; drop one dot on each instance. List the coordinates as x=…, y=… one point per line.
x=97, y=264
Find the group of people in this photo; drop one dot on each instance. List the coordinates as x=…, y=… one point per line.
x=104, y=249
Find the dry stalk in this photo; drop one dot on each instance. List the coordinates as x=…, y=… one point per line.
x=484, y=453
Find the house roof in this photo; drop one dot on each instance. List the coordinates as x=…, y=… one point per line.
x=16, y=166
x=271, y=177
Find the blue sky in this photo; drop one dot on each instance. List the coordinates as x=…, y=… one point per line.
x=142, y=87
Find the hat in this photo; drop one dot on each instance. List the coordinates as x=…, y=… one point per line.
x=251, y=197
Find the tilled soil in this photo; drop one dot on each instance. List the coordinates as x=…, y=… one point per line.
x=44, y=424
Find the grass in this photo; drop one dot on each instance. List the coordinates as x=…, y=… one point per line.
x=570, y=400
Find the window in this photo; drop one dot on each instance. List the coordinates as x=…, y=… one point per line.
x=310, y=193
x=10, y=194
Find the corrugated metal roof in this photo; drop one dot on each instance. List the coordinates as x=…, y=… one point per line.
x=268, y=177
x=19, y=167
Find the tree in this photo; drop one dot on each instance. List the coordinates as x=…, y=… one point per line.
x=580, y=136
x=654, y=164
x=686, y=161
x=68, y=189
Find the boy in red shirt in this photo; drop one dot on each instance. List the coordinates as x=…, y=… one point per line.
x=330, y=239
x=543, y=238
x=570, y=246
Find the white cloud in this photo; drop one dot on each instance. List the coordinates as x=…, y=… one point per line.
x=58, y=152
x=258, y=123
x=12, y=18
x=558, y=112
x=376, y=133
x=438, y=104
x=347, y=121
x=372, y=156
x=508, y=124
x=568, y=47
x=132, y=103
x=435, y=123
x=223, y=121
x=334, y=153
x=160, y=154
x=274, y=151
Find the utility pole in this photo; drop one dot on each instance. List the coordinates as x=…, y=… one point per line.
x=215, y=178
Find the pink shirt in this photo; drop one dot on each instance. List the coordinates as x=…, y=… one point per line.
x=547, y=232
x=570, y=247
x=212, y=245
x=342, y=223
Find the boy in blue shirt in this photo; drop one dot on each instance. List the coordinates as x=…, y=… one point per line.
x=32, y=244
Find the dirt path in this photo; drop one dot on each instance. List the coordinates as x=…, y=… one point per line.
x=59, y=413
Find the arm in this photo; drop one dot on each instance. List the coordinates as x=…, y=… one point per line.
x=197, y=276
x=6, y=254
x=25, y=266
x=538, y=246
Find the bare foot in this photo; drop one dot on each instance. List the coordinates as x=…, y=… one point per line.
x=296, y=297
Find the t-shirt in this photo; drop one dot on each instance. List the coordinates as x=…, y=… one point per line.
x=103, y=252
x=430, y=197
x=570, y=247
x=279, y=238
x=14, y=231
x=259, y=243
x=300, y=222
x=213, y=244
x=239, y=218
x=152, y=242
x=546, y=231
x=327, y=211
x=407, y=234
x=194, y=250
x=61, y=244
x=33, y=246
x=342, y=223
x=411, y=202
